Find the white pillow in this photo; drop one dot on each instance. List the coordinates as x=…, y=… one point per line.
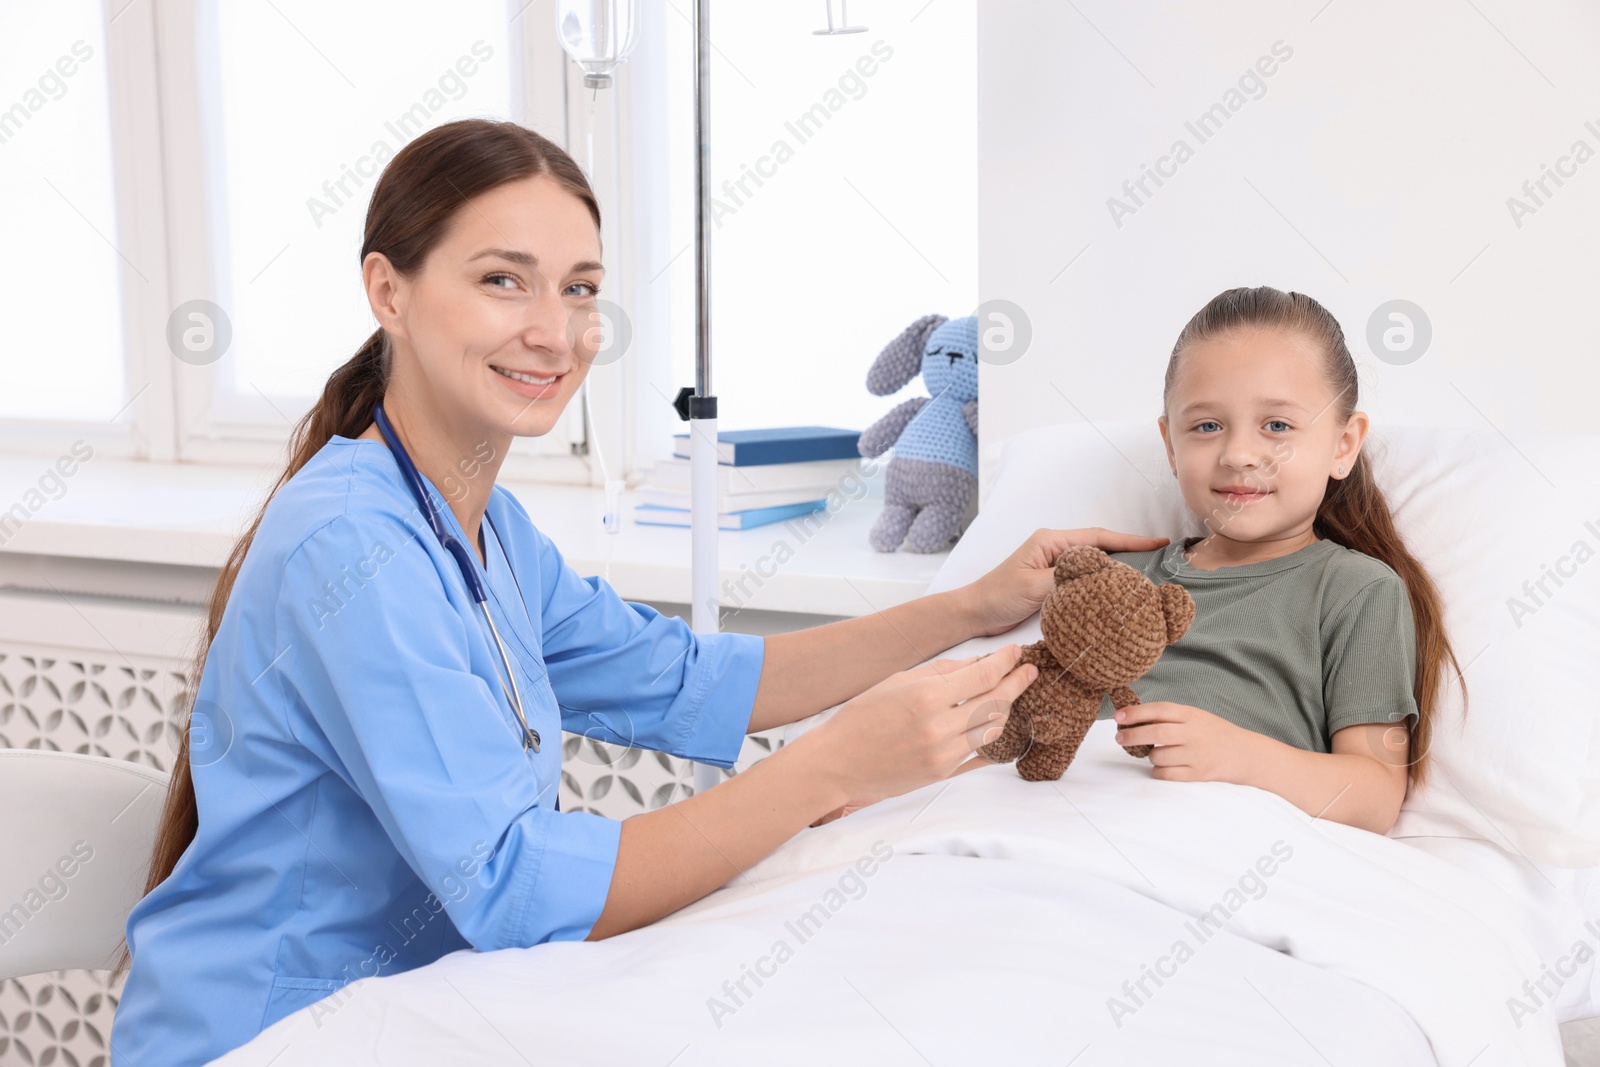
x=1484, y=515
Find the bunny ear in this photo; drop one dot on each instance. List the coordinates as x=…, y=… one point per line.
x=1079, y=560
x=901, y=358
x=1178, y=606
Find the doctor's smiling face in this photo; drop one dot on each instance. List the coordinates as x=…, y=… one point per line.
x=1254, y=431
x=494, y=334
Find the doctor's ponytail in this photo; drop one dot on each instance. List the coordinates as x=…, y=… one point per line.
x=412, y=206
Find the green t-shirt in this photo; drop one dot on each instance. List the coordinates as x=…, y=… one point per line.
x=1297, y=647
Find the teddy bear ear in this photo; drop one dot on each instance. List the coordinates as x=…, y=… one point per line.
x=901, y=359
x=1079, y=560
x=1178, y=606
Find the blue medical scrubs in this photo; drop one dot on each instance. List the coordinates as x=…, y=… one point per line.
x=366, y=805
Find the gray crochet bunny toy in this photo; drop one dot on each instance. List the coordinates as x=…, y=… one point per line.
x=932, y=480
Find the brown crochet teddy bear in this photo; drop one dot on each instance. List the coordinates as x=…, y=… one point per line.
x=1104, y=625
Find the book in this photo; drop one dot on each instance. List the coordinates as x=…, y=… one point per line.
x=679, y=498
x=674, y=474
x=653, y=515
x=778, y=444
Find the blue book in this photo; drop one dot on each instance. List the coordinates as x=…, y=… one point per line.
x=778, y=444
x=656, y=515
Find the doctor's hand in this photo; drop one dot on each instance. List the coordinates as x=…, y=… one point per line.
x=1192, y=745
x=1018, y=586
x=918, y=726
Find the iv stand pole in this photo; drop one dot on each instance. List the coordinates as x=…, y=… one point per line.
x=699, y=406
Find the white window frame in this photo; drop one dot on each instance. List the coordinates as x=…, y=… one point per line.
x=537, y=68
x=160, y=170
x=139, y=429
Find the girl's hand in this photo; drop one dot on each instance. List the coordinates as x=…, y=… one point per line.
x=1018, y=586
x=1192, y=745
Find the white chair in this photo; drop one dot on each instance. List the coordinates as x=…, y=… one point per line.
x=75, y=842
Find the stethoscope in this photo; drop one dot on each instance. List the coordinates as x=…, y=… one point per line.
x=469, y=572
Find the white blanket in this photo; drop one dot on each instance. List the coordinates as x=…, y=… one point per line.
x=988, y=919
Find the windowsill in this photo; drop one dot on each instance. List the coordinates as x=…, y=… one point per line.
x=189, y=516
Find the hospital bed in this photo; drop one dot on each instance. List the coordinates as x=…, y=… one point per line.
x=1110, y=918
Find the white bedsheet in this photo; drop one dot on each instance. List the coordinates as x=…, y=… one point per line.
x=1011, y=922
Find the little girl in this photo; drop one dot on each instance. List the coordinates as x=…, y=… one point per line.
x=1301, y=673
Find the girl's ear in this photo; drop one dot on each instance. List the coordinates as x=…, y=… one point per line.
x=901, y=358
x=1178, y=606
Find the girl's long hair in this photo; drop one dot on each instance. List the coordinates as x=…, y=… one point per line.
x=1353, y=512
x=411, y=210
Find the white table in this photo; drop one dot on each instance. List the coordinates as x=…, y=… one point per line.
x=160, y=530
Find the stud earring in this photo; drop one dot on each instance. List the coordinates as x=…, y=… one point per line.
x=1341, y=470
x=1174, y=473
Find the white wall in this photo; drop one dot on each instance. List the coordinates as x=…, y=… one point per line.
x=1376, y=164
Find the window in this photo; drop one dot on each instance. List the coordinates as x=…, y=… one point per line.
x=63, y=353
x=205, y=151
x=845, y=173
x=310, y=101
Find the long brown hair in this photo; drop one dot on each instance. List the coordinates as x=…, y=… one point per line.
x=412, y=206
x=1353, y=512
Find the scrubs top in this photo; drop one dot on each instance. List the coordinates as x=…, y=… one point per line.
x=365, y=802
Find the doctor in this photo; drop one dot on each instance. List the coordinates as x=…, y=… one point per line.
x=362, y=787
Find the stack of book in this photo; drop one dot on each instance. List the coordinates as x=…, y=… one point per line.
x=762, y=476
